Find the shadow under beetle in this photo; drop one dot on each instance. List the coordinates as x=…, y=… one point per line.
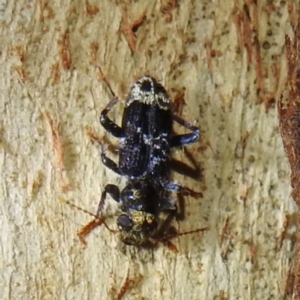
x=145, y=141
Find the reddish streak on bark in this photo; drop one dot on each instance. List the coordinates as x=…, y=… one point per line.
x=21, y=72
x=282, y=232
x=94, y=48
x=20, y=52
x=222, y=296
x=246, y=32
x=292, y=13
x=225, y=234
x=128, y=283
x=257, y=63
x=289, y=120
x=276, y=72
x=92, y=135
x=246, y=28
x=179, y=102
x=130, y=28
x=246, y=22
x=65, y=51
x=46, y=11
x=124, y=287
x=289, y=282
x=223, y=231
x=54, y=73
x=209, y=56
x=138, y=22
x=252, y=251
x=57, y=147
x=91, y=10
x=242, y=22
x=167, y=9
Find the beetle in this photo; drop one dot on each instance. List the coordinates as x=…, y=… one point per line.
x=146, y=134
x=145, y=141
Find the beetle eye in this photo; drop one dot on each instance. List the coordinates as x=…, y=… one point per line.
x=124, y=222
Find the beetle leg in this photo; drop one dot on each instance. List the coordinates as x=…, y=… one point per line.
x=114, y=191
x=172, y=186
x=107, y=123
x=108, y=162
x=111, y=189
x=184, y=139
x=167, y=204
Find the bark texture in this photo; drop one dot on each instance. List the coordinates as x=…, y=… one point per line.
x=224, y=64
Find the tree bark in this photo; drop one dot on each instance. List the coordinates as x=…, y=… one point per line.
x=224, y=65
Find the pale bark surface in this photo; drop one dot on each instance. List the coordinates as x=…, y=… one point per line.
x=228, y=57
